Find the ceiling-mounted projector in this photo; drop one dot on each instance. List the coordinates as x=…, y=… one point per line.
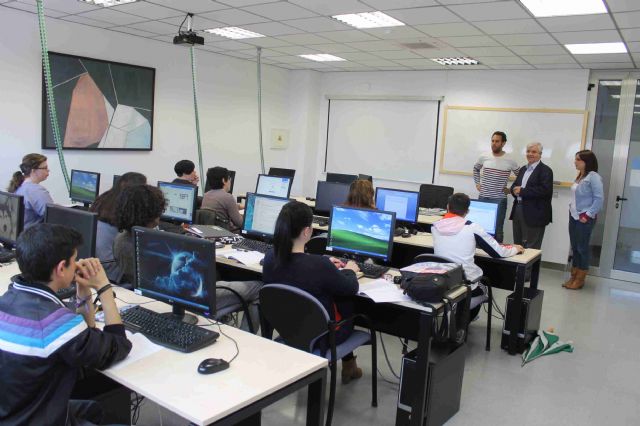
x=188, y=37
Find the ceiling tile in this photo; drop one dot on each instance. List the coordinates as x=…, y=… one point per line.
x=295, y=50
x=334, y=48
x=470, y=41
x=448, y=30
x=627, y=19
x=147, y=10
x=266, y=42
x=268, y=53
x=513, y=67
x=552, y=49
x=500, y=60
x=491, y=11
x=86, y=21
x=438, y=53
x=424, y=15
x=346, y=64
x=271, y=28
x=317, y=24
x=280, y=11
x=631, y=34
x=397, y=54
x=578, y=23
x=303, y=39
x=636, y=58
x=467, y=67
x=623, y=5
x=333, y=7
x=486, y=51
x=524, y=39
x=608, y=65
x=463, y=1
x=69, y=6
x=231, y=45
x=608, y=57
x=193, y=6
x=603, y=36
x=112, y=16
x=558, y=66
x=289, y=59
x=133, y=31
x=242, y=3
x=347, y=36
x=169, y=39
x=634, y=46
x=420, y=63
x=395, y=68
x=358, y=56
x=510, y=26
x=199, y=23
x=549, y=59
x=393, y=33
x=234, y=17
x=155, y=27
x=28, y=7
x=377, y=63
x=374, y=45
x=399, y=4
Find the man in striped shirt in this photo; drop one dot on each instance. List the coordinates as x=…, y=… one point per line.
x=492, y=184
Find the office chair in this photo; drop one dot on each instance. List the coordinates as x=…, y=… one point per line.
x=434, y=196
x=427, y=257
x=206, y=216
x=317, y=245
x=241, y=305
x=281, y=305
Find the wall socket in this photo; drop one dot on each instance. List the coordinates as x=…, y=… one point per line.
x=279, y=138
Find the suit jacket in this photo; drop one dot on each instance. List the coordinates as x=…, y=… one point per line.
x=536, y=196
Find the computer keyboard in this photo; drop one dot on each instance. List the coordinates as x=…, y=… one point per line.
x=166, y=331
x=369, y=270
x=66, y=293
x=252, y=245
x=322, y=221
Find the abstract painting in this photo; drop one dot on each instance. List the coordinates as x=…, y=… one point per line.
x=100, y=105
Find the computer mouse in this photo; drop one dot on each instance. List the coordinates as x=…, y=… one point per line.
x=406, y=234
x=262, y=261
x=212, y=365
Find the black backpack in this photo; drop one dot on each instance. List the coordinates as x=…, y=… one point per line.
x=431, y=287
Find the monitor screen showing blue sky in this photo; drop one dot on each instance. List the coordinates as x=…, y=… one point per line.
x=364, y=232
x=84, y=186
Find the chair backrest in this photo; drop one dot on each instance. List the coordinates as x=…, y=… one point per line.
x=317, y=245
x=297, y=316
x=428, y=257
x=211, y=217
x=434, y=196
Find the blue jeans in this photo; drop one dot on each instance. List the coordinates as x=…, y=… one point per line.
x=579, y=235
x=502, y=213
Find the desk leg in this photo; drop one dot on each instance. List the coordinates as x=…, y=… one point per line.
x=315, y=401
x=514, y=317
x=535, y=273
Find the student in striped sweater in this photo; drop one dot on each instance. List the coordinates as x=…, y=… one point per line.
x=496, y=168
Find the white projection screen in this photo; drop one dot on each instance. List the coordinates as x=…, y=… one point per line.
x=385, y=138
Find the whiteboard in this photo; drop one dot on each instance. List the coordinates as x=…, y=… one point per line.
x=391, y=139
x=467, y=134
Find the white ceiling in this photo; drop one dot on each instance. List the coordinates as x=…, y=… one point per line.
x=501, y=34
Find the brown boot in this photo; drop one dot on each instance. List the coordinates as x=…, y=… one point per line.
x=350, y=371
x=578, y=283
x=574, y=271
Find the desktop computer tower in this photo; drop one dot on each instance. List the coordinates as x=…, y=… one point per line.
x=444, y=384
x=529, y=323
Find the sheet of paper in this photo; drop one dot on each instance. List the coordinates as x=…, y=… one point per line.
x=245, y=257
x=382, y=291
x=141, y=348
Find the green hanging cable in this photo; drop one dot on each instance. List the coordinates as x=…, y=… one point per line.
x=53, y=116
x=195, y=107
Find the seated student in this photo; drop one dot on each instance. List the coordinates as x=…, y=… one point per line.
x=219, y=200
x=26, y=182
x=456, y=238
x=361, y=195
x=43, y=344
x=142, y=205
x=287, y=263
x=186, y=171
x=105, y=206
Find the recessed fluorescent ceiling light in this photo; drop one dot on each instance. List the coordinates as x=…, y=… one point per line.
x=322, y=57
x=107, y=3
x=610, y=83
x=234, y=33
x=369, y=20
x=595, y=48
x=455, y=61
x=544, y=8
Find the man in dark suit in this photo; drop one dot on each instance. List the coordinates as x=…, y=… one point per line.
x=533, y=190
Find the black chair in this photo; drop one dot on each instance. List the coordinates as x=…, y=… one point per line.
x=206, y=216
x=434, y=196
x=241, y=305
x=426, y=257
x=317, y=245
x=301, y=321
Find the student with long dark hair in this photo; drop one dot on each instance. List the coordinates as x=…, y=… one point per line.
x=26, y=182
x=587, y=197
x=287, y=263
x=106, y=207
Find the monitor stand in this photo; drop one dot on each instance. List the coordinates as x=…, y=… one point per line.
x=179, y=314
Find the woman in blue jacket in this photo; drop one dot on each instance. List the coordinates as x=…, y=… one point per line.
x=587, y=196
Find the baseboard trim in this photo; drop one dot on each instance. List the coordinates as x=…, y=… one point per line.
x=553, y=265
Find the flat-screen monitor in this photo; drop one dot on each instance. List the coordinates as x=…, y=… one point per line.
x=232, y=176
x=365, y=177
x=485, y=214
x=86, y=223
x=363, y=232
x=84, y=186
x=276, y=186
x=260, y=215
x=276, y=171
x=181, y=202
x=403, y=203
x=11, y=218
x=329, y=194
x=116, y=178
x=341, y=178
x=176, y=269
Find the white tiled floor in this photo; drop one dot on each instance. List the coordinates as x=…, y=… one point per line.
x=597, y=384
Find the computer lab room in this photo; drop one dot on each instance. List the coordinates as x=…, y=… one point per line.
x=319, y=212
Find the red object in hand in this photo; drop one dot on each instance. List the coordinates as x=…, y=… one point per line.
x=584, y=218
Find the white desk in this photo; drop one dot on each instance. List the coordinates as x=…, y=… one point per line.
x=263, y=372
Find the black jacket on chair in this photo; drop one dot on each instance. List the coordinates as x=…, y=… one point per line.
x=536, y=196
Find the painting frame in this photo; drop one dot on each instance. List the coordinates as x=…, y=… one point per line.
x=138, y=81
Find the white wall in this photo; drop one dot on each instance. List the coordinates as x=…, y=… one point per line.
x=227, y=100
x=535, y=89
